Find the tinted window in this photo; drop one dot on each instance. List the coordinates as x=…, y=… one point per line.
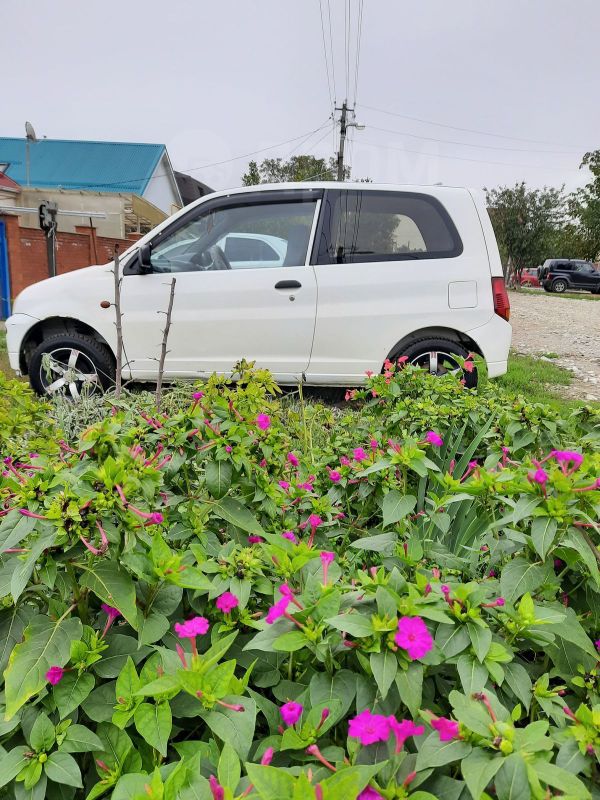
x=385, y=226
x=243, y=248
x=280, y=235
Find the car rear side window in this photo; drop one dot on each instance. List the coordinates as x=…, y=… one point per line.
x=361, y=226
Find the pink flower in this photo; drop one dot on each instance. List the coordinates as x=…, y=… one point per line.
x=539, y=476
x=566, y=457
x=55, y=675
x=262, y=463
x=373, y=444
x=267, y=757
x=255, y=539
x=345, y=461
x=469, y=366
x=314, y=521
x=284, y=485
x=291, y=712
x=334, y=476
x=198, y=395
x=413, y=637
x=263, y=421
x=227, y=602
x=327, y=557
x=597, y=643
x=403, y=729
x=292, y=459
x=228, y=448
x=369, y=728
x=369, y=794
x=197, y=626
x=431, y=437
x=156, y=518
x=217, y=791
x=285, y=590
x=289, y=536
x=277, y=610
x=111, y=612
x=447, y=728
x=360, y=454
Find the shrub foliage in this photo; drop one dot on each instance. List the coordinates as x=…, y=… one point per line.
x=256, y=597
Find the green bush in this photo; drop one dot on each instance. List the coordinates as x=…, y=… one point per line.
x=254, y=597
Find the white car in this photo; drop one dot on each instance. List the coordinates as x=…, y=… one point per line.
x=318, y=282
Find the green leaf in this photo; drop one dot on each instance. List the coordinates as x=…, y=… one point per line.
x=560, y=779
x=229, y=769
x=473, y=675
x=114, y=657
x=290, y=642
x=384, y=666
x=410, y=686
x=12, y=763
x=62, y=768
x=520, y=576
x=112, y=585
x=452, y=639
x=481, y=639
x=14, y=528
x=24, y=567
x=434, y=753
x=13, y=622
x=236, y=514
x=72, y=691
x=151, y=628
x=511, y=781
x=42, y=735
x=519, y=682
x=324, y=689
x=235, y=727
x=80, y=739
x=36, y=792
x=128, y=682
x=355, y=624
x=396, y=506
x=478, y=769
x=380, y=543
x=543, y=531
x=271, y=783
x=153, y=722
x=45, y=644
x=218, y=478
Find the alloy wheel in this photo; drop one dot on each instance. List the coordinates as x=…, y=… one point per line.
x=69, y=372
x=437, y=362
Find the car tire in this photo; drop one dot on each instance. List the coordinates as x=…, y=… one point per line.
x=438, y=356
x=71, y=364
x=559, y=286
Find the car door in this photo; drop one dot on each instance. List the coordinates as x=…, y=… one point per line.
x=585, y=276
x=261, y=310
x=387, y=264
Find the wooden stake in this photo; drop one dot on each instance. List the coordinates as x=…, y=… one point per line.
x=163, y=350
x=118, y=323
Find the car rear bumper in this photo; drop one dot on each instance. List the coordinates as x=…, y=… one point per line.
x=493, y=340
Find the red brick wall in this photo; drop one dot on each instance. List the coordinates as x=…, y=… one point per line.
x=27, y=253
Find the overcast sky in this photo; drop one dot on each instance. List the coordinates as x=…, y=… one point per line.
x=216, y=80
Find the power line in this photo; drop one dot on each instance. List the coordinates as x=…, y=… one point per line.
x=310, y=135
x=466, y=130
x=347, y=45
x=461, y=158
x=331, y=101
x=358, y=41
x=469, y=144
x=331, y=50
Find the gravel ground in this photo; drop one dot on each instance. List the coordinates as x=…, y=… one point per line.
x=570, y=328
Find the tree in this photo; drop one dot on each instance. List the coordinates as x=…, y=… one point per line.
x=526, y=223
x=584, y=205
x=296, y=168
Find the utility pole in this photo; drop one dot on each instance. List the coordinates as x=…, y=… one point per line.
x=344, y=125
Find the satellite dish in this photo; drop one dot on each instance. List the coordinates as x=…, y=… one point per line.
x=29, y=132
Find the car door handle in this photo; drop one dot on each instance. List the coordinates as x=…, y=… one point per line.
x=288, y=285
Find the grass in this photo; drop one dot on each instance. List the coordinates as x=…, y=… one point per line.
x=4, y=365
x=570, y=295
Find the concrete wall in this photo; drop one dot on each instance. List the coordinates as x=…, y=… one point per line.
x=71, y=200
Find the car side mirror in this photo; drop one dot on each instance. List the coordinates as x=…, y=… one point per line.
x=145, y=258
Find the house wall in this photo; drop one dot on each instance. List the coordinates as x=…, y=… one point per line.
x=27, y=252
x=71, y=200
x=162, y=189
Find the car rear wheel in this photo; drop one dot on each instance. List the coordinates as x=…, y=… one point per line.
x=439, y=357
x=559, y=286
x=71, y=364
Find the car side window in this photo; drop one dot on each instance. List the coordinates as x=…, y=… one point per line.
x=247, y=236
x=367, y=226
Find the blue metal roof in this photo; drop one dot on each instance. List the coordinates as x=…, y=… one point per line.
x=92, y=166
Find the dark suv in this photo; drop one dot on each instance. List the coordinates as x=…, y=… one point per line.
x=561, y=274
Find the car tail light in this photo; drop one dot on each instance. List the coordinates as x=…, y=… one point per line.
x=501, y=301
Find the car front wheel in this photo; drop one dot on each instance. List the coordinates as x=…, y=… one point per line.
x=440, y=357
x=71, y=364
